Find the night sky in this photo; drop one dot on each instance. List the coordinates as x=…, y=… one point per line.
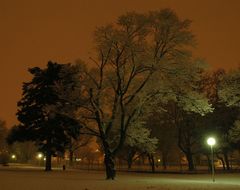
x=35, y=31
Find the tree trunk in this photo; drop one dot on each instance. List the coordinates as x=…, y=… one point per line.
x=151, y=162
x=191, y=166
x=222, y=160
x=70, y=157
x=129, y=162
x=109, y=161
x=48, y=165
x=225, y=154
x=109, y=165
x=186, y=149
x=131, y=154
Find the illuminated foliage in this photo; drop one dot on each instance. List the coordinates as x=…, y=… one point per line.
x=134, y=53
x=230, y=88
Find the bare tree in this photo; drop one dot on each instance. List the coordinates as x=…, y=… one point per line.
x=129, y=53
x=75, y=144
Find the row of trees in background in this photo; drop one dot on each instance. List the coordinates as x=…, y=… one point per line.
x=191, y=131
x=143, y=93
x=3, y=144
x=158, y=134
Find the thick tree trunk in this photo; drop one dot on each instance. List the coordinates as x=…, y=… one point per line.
x=186, y=149
x=151, y=162
x=109, y=165
x=48, y=165
x=225, y=154
x=109, y=161
x=222, y=161
x=191, y=166
x=129, y=162
x=70, y=157
x=130, y=156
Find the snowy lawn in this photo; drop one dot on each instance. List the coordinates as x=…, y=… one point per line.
x=35, y=179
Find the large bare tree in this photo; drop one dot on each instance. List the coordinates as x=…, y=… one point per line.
x=129, y=52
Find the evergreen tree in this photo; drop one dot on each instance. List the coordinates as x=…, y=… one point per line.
x=45, y=116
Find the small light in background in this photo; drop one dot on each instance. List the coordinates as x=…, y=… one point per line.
x=13, y=156
x=78, y=159
x=39, y=156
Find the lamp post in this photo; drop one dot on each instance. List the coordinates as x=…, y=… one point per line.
x=13, y=157
x=211, y=142
x=39, y=158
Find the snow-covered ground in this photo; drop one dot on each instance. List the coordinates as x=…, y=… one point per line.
x=30, y=178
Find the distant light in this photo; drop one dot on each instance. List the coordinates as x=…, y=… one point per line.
x=13, y=156
x=78, y=159
x=44, y=158
x=211, y=141
x=159, y=160
x=39, y=156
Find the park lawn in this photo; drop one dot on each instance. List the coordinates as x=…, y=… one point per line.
x=35, y=179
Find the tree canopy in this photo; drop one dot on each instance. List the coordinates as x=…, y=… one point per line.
x=42, y=110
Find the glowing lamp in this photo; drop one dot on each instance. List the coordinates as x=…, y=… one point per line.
x=39, y=156
x=13, y=156
x=211, y=141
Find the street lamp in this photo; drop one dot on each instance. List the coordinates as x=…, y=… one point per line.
x=39, y=156
x=13, y=156
x=211, y=142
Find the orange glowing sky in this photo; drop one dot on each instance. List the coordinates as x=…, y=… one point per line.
x=35, y=31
